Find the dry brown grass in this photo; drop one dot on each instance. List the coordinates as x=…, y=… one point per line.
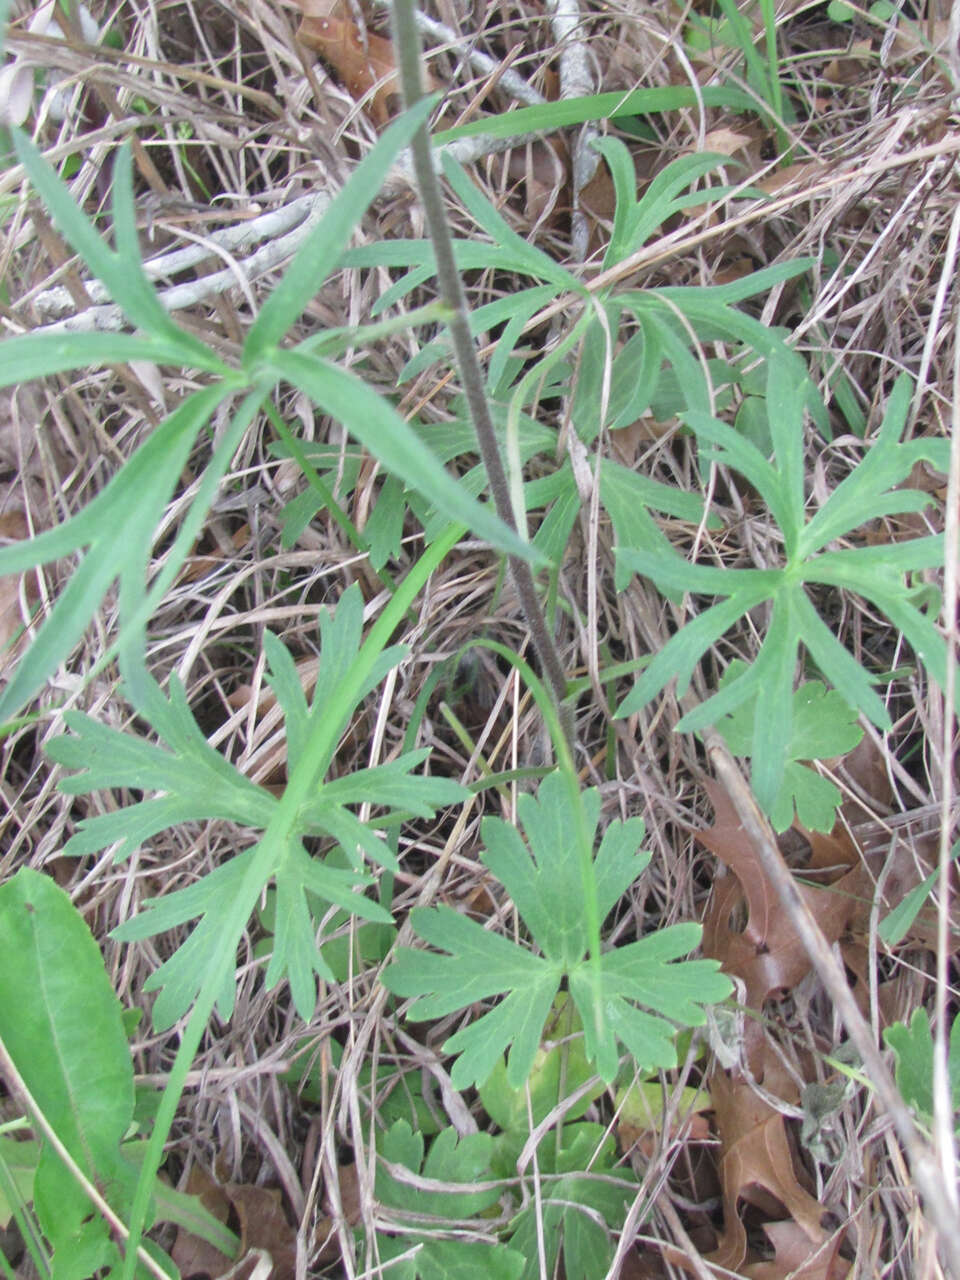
x=234, y=121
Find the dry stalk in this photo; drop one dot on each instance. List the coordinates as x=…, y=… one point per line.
x=924, y=1166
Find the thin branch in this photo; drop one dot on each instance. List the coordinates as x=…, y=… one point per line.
x=451, y=289
x=576, y=81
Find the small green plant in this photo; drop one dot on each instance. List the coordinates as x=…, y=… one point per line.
x=192, y=781
x=879, y=573
x=313, y=863
x=612, y=992
x=118, y=527
x=913, y=1047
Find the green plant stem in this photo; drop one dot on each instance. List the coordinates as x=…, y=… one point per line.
x=407, y=43
x=314, y=760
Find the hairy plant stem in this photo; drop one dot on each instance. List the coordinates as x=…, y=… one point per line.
x=407, y=43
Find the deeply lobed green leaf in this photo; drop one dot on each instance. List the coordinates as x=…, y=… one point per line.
x=543, y=880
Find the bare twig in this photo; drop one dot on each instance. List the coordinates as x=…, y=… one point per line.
x=576, y=81
x=924, y=1166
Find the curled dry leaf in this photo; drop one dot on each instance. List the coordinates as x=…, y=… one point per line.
x=756, y=1162
x=362, y=61
x=256, y=1213
x=766, y=952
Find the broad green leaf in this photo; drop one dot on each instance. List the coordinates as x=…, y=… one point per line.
x=450, y=1259
x=451, y=1162
x=775, y=667
x=18, y=1167
x=641, y=974
x=558, y=1071
x=318, y=256
x=378, y=426
x=61, y=1024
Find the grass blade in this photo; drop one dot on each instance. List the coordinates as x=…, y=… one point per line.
x=550, y=116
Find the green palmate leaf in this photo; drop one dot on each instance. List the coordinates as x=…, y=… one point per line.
x=295, y=954
x=235, y=911
x=451, y=1161
x=913, y=1047
x=557, y=1073
x=318, y=256
x=866, y=494
x=545, y=885
x=627, y=495
x=873, y=572
x=381, y=429
x=193, y=780
x=61, y=1024
x=186, y=780
x=823, y=725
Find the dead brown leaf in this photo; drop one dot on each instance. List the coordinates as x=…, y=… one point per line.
x=761, y=946
x=795, y=1260
x=756, y=1164
x=852, y=66
x=258, y=1217
x=362, y=61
